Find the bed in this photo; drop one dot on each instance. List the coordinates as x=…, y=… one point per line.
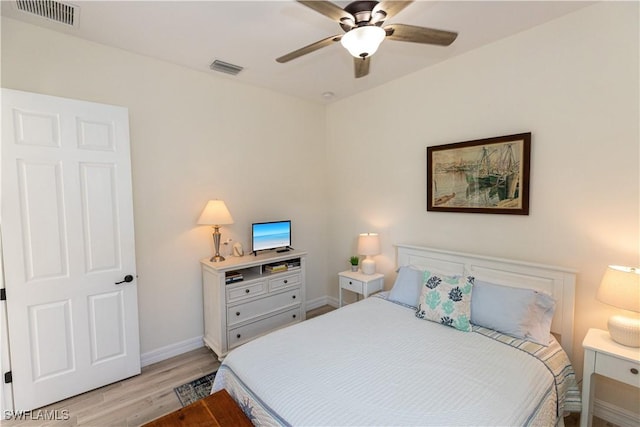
x=393, y=360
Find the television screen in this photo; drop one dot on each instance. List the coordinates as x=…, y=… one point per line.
x=270, y=235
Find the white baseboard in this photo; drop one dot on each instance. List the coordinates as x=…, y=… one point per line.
x=171, y=350
x=615, y=414
x=320, y=302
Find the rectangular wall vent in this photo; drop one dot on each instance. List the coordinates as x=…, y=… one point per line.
x=55, y=11
x=225, y=67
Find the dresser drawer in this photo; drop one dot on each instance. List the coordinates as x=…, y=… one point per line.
x=351, y=285
x=245, y=333
x=262, y=306
x=238, y=292
x=284, y=281
x=618, y=369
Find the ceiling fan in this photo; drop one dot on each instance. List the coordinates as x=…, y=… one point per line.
x=362, y=23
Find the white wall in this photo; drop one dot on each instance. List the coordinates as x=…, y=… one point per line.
x=194, y=136
x=574, y=84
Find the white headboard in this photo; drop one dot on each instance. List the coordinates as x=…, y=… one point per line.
x=557, y=281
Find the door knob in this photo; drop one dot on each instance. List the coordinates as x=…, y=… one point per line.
x=128, y=278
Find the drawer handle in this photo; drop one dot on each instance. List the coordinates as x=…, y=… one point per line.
x=238, y=336
x=285, y=281
x=634, y=371
x=350, y=282
x=293, y=296
x=247, y=291
x=294, y=316
x=237, y=313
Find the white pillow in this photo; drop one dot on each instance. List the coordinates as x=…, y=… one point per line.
x=521, y=313
x=446, y=300
x=406, y=288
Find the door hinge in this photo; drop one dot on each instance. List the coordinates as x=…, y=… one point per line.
x=3, y=294
x=8, y=377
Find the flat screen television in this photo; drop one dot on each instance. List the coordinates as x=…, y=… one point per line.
x=270, y=235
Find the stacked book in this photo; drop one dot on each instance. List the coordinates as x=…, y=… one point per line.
x=293, y=265
x=232, y=277
x=275, y=268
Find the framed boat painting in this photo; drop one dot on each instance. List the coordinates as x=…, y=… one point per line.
x=481, y=176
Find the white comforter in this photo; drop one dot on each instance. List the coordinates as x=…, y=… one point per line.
x=375, y=363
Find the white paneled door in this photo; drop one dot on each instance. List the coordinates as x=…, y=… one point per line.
x=68, y=246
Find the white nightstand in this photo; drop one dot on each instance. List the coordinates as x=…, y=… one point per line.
x=603, y=356
x=363, y=284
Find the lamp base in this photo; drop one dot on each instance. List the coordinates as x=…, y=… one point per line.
x=368, y=265
x=216, y=245
x=625, y=330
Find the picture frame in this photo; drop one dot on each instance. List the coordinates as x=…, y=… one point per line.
x=488, y=175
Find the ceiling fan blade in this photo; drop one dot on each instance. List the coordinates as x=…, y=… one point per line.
x=309, y=48
x=331, y=11
x=390, y=8
x=361, y=66
x=411, y=33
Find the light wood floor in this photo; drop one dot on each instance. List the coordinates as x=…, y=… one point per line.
x=137, y=400
x=134, y=401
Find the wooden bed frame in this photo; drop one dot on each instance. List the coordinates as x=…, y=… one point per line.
x=557, y=281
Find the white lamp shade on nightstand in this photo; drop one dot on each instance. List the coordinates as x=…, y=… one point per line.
x=368, y=245
x=620, y=287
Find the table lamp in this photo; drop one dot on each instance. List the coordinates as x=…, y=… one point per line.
x=215, y=213
x=368, y=245
x=620, y=287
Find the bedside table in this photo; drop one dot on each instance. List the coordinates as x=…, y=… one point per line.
x=603, y=356
x=363, y=284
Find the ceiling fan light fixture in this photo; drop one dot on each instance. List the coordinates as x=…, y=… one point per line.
x=363, y=41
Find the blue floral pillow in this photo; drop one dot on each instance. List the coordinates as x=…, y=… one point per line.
x=446, y=300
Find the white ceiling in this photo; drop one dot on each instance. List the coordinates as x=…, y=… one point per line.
x=253, y=33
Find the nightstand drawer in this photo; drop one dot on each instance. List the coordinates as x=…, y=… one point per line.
x=618, y=369
x=351, y=285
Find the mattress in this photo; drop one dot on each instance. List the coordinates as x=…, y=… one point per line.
x=375, y=363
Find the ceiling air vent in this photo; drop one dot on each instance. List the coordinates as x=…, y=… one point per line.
x=225, y=67
x=53, y=10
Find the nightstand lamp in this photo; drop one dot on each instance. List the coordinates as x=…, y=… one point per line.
x=215, y=213
x=620, y=287
x=368, y=245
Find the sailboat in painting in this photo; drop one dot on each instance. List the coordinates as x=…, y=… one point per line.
x=498, y=170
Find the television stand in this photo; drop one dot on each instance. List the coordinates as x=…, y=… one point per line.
x=248, y=296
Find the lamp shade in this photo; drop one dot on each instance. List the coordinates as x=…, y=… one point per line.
x=368, y=244
x=215, y=213
x=620, y=287
x=363, y=41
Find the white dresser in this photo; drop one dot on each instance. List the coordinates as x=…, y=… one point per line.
x=245, y=297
